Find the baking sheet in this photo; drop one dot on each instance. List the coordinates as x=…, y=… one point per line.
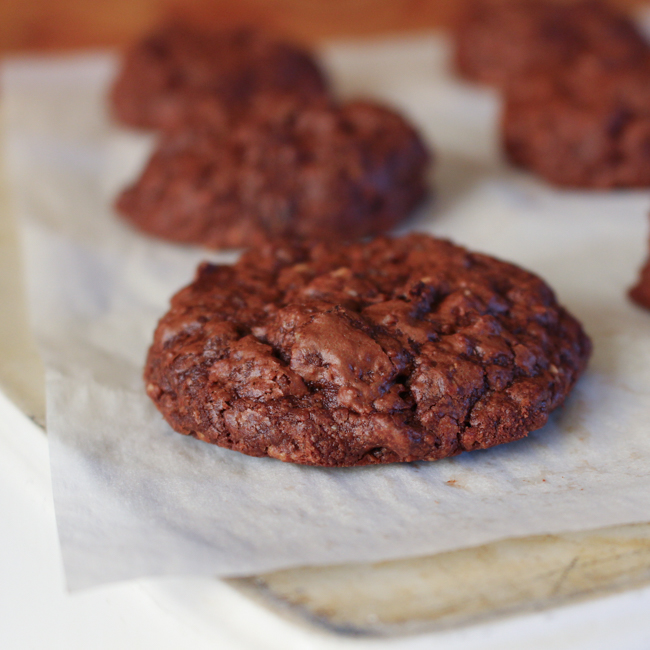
x=133, y=498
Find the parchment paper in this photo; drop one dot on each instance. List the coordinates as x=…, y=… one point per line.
x=133, y=498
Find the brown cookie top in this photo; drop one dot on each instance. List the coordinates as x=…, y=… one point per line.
x=499, y=41
x=177, y=71
x=281, y=169
x=371, y=352
x=582, y=127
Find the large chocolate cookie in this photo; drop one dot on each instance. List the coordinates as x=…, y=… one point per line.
x=281, y=169
x=582, y=127
x=391, y=350
x=171, y=73
x=499, y=41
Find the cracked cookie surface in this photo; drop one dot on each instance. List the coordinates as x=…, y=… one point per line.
x=373, y=352
x=501, y=41
x=583, y=127
x=178, y=73
x=283, y=169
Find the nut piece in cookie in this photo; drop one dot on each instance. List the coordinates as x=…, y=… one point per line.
x=281, y=169
x=499, y=41
x=372, y=352
x=176, y=72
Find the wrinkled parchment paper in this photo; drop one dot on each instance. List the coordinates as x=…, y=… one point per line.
x=133, y=498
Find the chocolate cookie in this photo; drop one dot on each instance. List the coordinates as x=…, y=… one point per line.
x=378, y=352
x=584, y=127
x=281, y=169
x=500, y=41
x=640, y=292
x=177, y=70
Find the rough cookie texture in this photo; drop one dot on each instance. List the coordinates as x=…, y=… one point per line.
x=501, y=41
x=391, y=350
x=582, y=127
x=178, y=72
x=314, y=171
